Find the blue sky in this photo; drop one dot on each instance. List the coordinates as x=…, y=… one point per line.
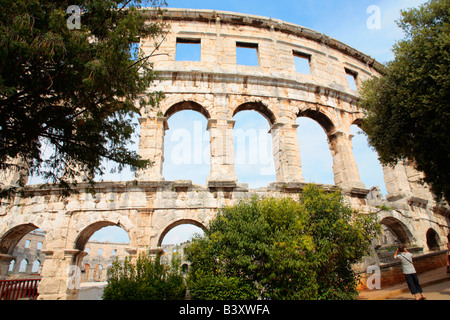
x=349, y=21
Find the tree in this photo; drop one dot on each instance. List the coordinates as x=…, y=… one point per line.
x=280, y=248
x=146, y=279
x=408, y=106
x=72, y=90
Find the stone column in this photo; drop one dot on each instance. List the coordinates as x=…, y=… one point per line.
x=5, y=260
x=286, y=153
x=151, y=147
x=418, y=188
x=396, y=180
x=345, y=169
x=61, y=275
x=16, y=174
x=222, y=153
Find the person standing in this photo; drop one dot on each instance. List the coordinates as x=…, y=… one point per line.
x=409, y=271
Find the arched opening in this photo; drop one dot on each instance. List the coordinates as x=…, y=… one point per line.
x=113, y=234
x=103, y=242
x=432, y=240
x=36, y=266
x=254, y=162
x=325, y=122
x=398, y=230
x=10, y=240
x=98, y=273
x=112, y=230
x=259, y=107
x=175, y=236
x=315, y=154
x=369, y=167
x=186, y=105
x=24, y=244
x=180, y=232
x=11, y=266
x=184, y=268
x=23, y=268
x=85, y=272
x=393, y=233
x=187, y=145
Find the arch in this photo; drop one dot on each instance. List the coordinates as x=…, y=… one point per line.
x=186, y=105
x=187, y=148
x=184, y=268
x=23, y=266
x=98, y=272
x=433, y=242
x=358, y=122
x=314, y=149
x=322, y=119
x=87, y=232
x=36, y=266
x=367, y=160
x=253, y=149
x=177, y=223
x=12, y=264
x=398, y=229
x=12, y=237
x=259, y=107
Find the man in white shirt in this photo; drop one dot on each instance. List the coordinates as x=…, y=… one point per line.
x=409, y=271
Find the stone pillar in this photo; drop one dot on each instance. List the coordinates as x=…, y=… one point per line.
x=151, y=147
x=222, y=153
x=61, y=275
x=286, y=153
x=396, y=180
x=16, y=174
x=5, y=260
x=345, y=169
x=418, y=188
x=133, y=253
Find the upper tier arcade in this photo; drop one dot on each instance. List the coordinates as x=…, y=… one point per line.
x=221, y=82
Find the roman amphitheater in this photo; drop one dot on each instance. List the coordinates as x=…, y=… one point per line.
x=148, y=207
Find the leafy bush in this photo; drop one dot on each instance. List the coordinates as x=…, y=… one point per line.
x=221, y=287
x=147, y=279
x=280, y=248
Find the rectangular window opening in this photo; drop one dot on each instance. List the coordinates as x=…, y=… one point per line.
x=351, y=78
x=188, y=50
x=302, y=62
x=247, y=54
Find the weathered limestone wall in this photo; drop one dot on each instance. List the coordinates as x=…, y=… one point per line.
x=148, y=207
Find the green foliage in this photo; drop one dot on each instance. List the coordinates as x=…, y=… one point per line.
x=73, y=92
x=221, y=287
x=408, y=107
x=147, y=279
x=281, y=249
